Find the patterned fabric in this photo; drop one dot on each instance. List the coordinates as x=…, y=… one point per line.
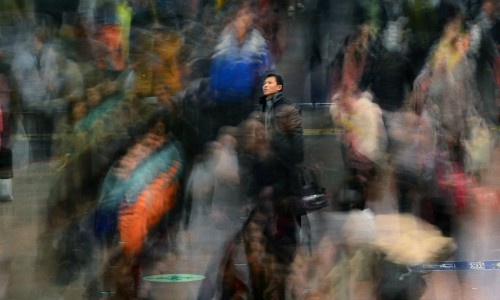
x=135, y=219
x=129, y=184
x=236, y=68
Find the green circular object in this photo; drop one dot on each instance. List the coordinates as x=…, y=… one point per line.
x=174, y=278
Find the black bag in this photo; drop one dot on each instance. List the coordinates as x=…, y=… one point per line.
x=314, y=196
x=5, y=163
x=6, y=175
x=398, y=282
x=349, y=197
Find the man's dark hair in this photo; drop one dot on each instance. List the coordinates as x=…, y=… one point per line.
x=279, y=79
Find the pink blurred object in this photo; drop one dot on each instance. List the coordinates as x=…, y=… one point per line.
x=484, y=198
x=456, y=183
x=459, y=190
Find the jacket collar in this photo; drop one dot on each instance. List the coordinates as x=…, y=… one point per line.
x=278, y=97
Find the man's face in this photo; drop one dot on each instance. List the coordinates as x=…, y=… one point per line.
x=270, y=86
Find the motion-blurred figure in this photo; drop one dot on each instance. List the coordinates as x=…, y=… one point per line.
x=35, y=70
x=240, y=58
x=136, y=194
x=363, y=139
x=353, y=60
x=453, y=88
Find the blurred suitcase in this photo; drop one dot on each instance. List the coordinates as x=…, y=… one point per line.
x=6, y=174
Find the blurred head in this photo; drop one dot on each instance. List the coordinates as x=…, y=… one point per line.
x=93, y=96
x=462, y=43
x=359, y=37
x=242, y=22
x=155, y=130
x=159, y=128
x=453, y=27
x=273, y=83
x=164, y=97
x=38, y=40
x=252, y=135
x=488, y=9
x=78, y=110
x=393, y=37
x=227, y=136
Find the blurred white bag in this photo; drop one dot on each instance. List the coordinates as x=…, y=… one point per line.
x=478, y=145
x=20, y=146
x=6, y=174
x=6, y=190
x=201, y=182
x=226, y=165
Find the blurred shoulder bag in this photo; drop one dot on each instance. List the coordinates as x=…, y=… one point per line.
x=314, y=196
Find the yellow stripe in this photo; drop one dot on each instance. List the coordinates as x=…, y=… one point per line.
x=320, y=131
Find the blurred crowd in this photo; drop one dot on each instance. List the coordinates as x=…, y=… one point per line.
x=165, y=117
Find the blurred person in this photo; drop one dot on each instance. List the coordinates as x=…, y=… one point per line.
x=72, y=140
x=495, y=31
x=167, y=46
x=111, y=27
x=452, y=88
x=69, y=80
x=269, y=163
x=226, y=203
x=65, y=244
x=97, y=127
x=423, y=29
x=6, y=159
x=214, y=186
x=6, y=94
x=72, y=185
x=241, y=57
x=335, y=270
x=394, y=238
x=65, y=86
x=84, y=154
x=318, y=15
x=413, y=158
x=272, y=20
x=55, y=9
x=73, y=150
x=160, y=65
x=445, y=92
x=352, y=61
x=199, y=191
x=372, y=13
x=96, y=134
x=256, y=160
x=484, y=53
x=136, y=194
x=283, y=127
x=249, y=246
x=186, y=134
x=87, y=11
x=69, y=87
x=35, y=70
x=363, y=138
x=392, y=74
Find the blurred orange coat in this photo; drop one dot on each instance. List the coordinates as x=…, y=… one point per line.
x=136, y=219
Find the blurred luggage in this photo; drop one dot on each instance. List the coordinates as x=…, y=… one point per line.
x=6, y=174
